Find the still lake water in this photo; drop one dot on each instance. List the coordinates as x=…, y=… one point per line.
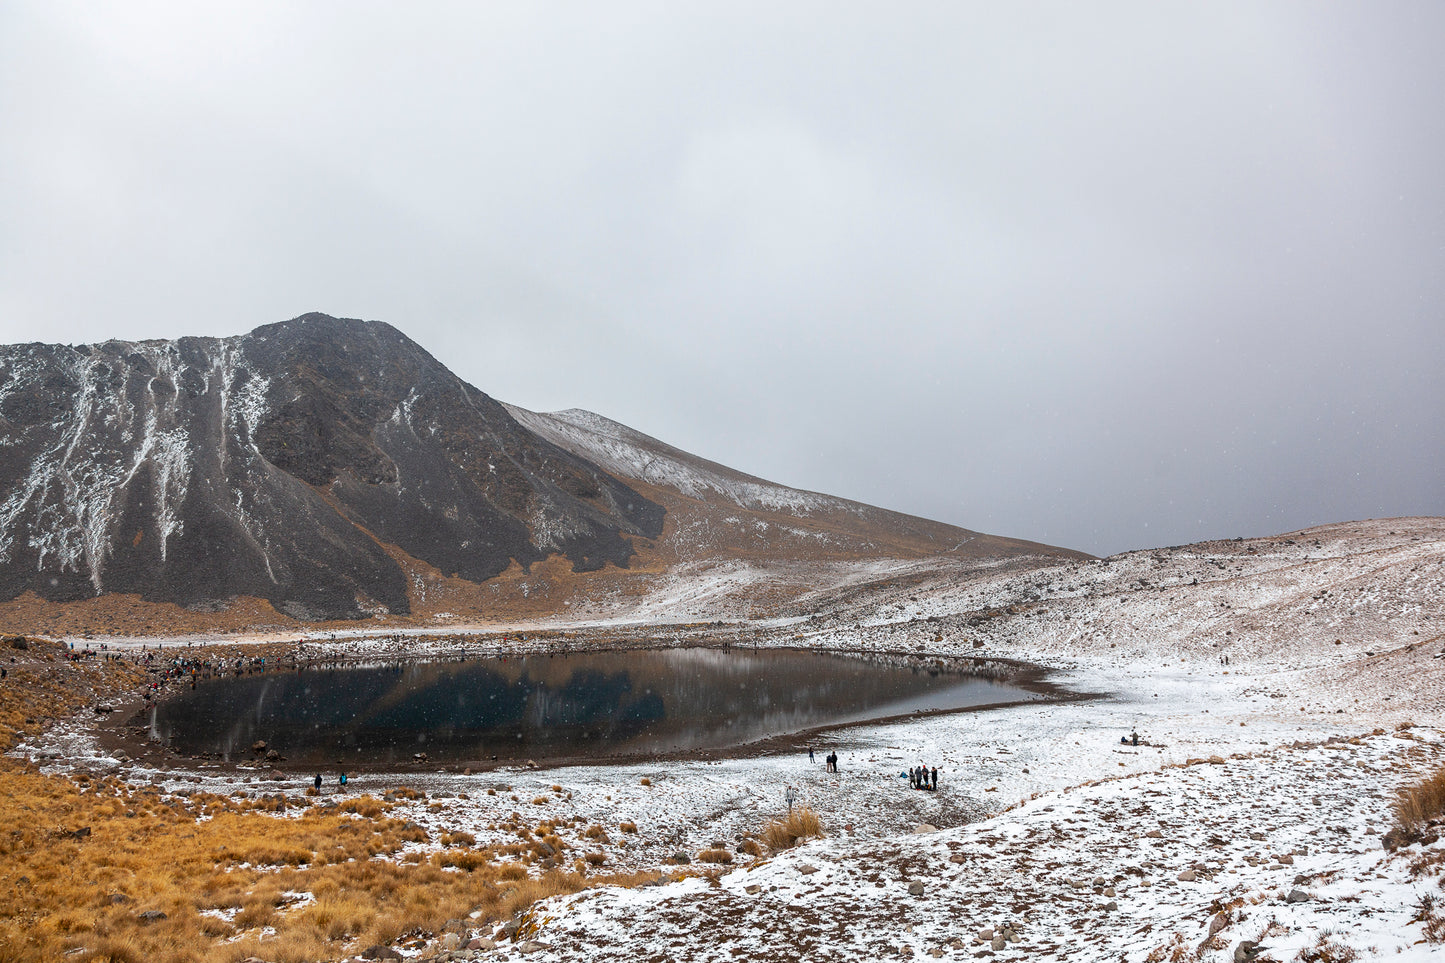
x=551, y=706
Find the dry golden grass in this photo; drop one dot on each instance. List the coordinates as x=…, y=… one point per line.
x=1418, y=804
x=627, y=827
x=715, y=856
x=83, y=895
x=801, y=823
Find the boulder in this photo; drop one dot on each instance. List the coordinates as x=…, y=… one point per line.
x=915, y=888
x=1394, y=839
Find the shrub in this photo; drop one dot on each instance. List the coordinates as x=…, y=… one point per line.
x=801, y=823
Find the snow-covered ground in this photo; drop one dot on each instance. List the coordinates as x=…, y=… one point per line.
x=1284, y=690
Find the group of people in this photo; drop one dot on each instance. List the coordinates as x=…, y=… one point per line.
x=921, y=777
x=830, y=761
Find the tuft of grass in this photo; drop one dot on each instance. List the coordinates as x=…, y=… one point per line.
x=646, y=781
x=1327, y=950
x=627, y=827
x=715, y=856
x=801, y=823
x=1416, y=805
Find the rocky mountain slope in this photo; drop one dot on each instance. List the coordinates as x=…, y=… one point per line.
x=324, y=468
x=292, y=464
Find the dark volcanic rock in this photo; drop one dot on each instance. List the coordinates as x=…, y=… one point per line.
x=279, y=464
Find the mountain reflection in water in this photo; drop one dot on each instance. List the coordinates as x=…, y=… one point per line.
x=549, y=706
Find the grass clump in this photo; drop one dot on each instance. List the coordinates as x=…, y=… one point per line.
x=1420, y=803
x=785, y=833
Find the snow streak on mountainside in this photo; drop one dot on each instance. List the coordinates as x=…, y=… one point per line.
x=288, y=464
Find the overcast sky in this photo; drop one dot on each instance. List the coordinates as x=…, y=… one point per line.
x=1108, y=276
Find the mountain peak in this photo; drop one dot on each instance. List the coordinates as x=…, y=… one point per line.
x=308, y=463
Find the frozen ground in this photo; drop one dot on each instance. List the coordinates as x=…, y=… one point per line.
x=1043, y=819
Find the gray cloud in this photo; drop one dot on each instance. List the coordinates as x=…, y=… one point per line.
x=1105, y=276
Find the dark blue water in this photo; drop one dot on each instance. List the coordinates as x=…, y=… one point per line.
x=551, y=706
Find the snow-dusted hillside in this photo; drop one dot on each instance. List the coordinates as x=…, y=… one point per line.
x=631, y=454
x=718, y=513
